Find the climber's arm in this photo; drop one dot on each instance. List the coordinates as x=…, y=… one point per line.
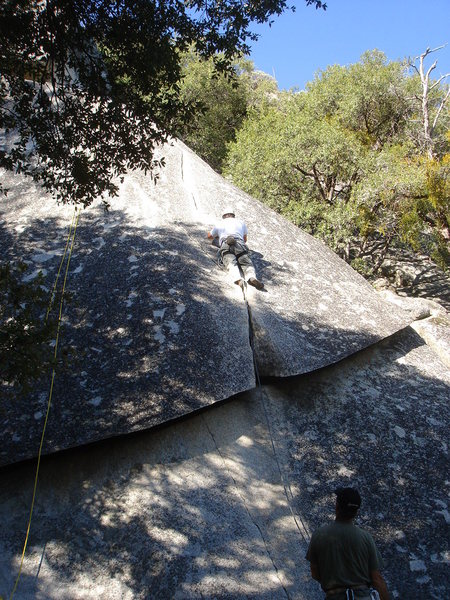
x=213, y=234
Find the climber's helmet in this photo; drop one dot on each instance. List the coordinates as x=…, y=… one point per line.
x=228, y=212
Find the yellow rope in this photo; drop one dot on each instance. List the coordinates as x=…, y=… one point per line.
x=52, y=297
x=49, y=401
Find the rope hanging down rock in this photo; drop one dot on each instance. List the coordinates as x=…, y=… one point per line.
x=302, y=527
x=69, y=243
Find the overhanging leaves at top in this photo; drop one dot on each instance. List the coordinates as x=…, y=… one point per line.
x=89, y=87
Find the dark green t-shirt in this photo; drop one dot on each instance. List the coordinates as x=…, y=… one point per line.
x=344, y=554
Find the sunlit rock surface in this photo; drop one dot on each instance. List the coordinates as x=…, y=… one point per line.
x=222, y=504
x=154, y=327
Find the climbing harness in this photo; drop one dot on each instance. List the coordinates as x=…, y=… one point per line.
x=218, y=260
x=70, y=242
x=350, y=594
x=232, y=246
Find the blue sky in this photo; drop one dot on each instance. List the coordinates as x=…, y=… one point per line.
x=298, y=44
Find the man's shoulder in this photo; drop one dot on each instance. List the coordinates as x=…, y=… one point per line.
x=324, y=530
x=336, y=527
x=363, y=532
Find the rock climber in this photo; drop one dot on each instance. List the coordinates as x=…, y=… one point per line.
x=343, y=558
x=232, y=234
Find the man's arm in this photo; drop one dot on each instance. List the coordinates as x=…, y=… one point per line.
x=379, y=584
x=315, y=571
x=213, y=233
x=244, y=232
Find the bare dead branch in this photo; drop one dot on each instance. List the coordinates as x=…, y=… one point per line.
x=413, y=66
x=444, y=101
x=429, y=51
x=303, y=172
x=433, y=66
x=438, y=48
x=426, y=89
x=439, y=80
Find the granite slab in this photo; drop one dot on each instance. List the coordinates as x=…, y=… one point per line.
x=222, y=503
x=154, y=330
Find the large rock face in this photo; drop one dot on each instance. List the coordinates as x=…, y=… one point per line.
x=157, y=328
x=221, y=503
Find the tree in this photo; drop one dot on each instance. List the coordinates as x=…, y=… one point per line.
x=257, y=161
x=222, y=101
x=343, y=160
x=367, y=97
x=432, y=138
x=88, y=87
x=432, y=104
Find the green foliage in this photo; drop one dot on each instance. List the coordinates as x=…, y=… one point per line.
x=25, y=333
x=344, y=160
x=366, y=97
x=221, y=101
x=89, y=87
x=253, y=160
x=438, y=183
x=438, y=210
x=261, y=87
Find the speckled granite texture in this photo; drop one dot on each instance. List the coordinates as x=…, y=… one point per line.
x=155, y=328
x=199, y=508
x=219, y=504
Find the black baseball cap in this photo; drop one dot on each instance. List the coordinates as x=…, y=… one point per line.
x=348, y=498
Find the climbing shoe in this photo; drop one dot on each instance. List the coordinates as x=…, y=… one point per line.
x=240, y=283
x=256, y=283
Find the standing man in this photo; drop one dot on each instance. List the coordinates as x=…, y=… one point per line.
x=343, y=557
x=232, y=234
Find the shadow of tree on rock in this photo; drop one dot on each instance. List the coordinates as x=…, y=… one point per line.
x=377, y=420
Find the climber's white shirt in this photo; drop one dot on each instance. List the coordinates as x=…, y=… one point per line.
x=229, y=226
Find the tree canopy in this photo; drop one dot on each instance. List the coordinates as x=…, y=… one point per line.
x=223, y=101
x=346, y=160
x=88, y=87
